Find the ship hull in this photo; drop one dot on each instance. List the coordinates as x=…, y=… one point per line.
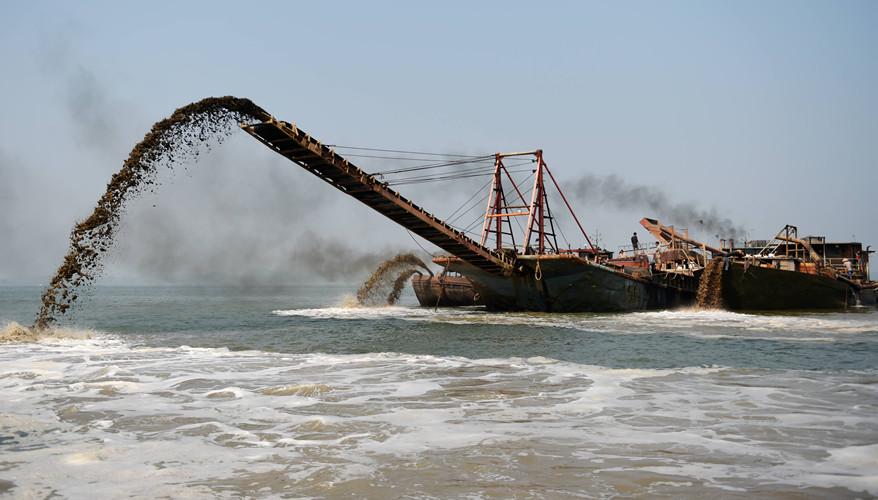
x=571, y=285
x=760, y=288
x=444, y=291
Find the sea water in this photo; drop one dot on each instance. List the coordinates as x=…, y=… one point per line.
x=287, y=392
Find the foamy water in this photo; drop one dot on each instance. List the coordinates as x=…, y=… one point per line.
x=101, y=418
x=281, y=393
x=692, y=322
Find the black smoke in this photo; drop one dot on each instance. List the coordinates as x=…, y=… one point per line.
x=614, y=191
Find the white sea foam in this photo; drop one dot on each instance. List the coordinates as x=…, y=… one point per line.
x=386, y=312
x=818, y=327
x=13, y=332
x=101, y=419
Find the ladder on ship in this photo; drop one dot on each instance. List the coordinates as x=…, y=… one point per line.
x=287, y=140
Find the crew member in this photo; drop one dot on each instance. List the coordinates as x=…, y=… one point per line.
x=634, y=241
x=849, y=267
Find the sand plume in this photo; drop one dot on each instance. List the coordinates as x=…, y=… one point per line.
x=176, y=139
x=14, y=333
x=387, y=281
x=710, y=286
x=399, y=284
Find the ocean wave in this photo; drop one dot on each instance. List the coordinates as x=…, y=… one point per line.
x=826, y=327
x=108, y=420
x=14, y=332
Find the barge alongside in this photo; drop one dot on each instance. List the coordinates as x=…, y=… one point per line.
x=445, y=290
x=792, y=273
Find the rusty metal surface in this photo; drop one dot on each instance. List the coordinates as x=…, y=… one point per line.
x=667, y=234
x=288, y=141
x=444, y=291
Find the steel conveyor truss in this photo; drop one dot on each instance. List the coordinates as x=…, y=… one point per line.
x=287, y=140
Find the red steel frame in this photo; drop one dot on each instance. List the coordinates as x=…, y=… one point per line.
x=537, y=210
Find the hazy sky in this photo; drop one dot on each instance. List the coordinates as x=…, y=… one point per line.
x=764, y=112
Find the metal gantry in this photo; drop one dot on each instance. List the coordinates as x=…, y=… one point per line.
x=540, y=226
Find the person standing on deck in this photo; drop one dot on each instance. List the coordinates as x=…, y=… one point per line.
x=848, y=266
x=634, y=241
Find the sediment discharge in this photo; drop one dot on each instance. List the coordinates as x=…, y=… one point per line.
x=14, y=333
x=179, y=138
x=399, y=284
x=392, y=275
x=710, y=286
x=171, y=141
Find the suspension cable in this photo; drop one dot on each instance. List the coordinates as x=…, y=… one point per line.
x=479, y=202
x=481, y=189
x=443, y=176
x=339, y=146
x=435, y=165
x=396, y=158
x=468, y=170
x=438, y=178
x=419, y=244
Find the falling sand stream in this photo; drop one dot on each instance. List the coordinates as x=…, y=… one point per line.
x=385, y=284
x=710, y=286
x=174, y=140
x=171, y=141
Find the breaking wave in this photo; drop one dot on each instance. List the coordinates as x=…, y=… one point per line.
x=100, y=418
x=13, y=332
x=691, y=322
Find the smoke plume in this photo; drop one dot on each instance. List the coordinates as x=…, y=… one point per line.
x=332, y=259
x=90, y=109
x=615, y=191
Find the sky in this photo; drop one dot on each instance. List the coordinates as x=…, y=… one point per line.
x=764, y=113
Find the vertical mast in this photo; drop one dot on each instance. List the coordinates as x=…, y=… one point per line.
x=540, y=186
x=496, y=184
x=497, y=208
x=534, y=201
x=539, y=215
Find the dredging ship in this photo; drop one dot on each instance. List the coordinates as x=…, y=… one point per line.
x=534, y=273
x=784, y=273
x=531, y=274
x=787, y=273
x=792, y=273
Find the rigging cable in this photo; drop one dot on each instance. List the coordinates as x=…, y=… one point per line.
x=443, y=176
x=395, y=158
x=480, y=201
x=481, y=189
x=339, y=146
x=419, y=244
x=427, y=166
x=469, y=170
